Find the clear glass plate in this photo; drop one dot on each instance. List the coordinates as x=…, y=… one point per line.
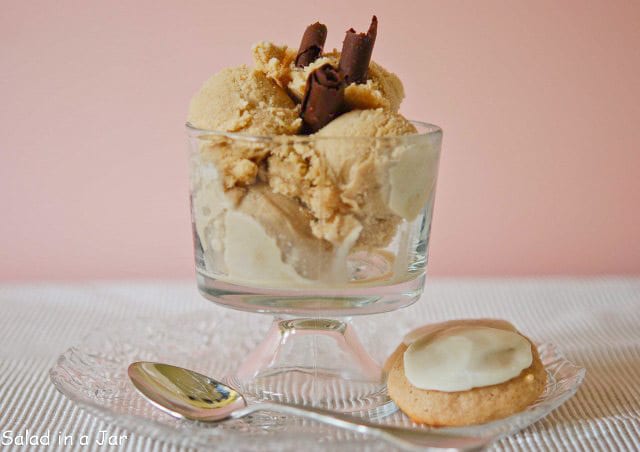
x=213, y=342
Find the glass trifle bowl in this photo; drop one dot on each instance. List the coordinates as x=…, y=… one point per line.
x=312, y=230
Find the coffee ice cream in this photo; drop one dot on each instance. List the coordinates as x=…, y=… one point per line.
x=244, y=100
x=304, y=162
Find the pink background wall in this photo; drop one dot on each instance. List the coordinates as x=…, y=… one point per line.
x=540, y=103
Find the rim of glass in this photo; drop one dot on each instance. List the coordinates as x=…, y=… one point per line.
x=428, y=130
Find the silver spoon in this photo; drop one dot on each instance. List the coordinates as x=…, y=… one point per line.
x=187, y=394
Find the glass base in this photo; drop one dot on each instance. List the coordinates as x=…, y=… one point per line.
x=317, y=362
x=329, y=302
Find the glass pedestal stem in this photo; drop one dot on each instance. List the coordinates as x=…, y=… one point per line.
x=312, y=361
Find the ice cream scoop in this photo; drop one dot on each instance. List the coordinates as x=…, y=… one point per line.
x=368, y=123
x=269, y=239
x=244, y=100
x=402, y=176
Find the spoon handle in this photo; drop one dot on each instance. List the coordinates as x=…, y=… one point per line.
x=403, y=437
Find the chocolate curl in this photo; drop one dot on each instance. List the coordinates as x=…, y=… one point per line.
x=323, y=98
x=356, y=53
x=311, y=45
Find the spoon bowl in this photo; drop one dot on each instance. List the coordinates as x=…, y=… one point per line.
x=184, y=393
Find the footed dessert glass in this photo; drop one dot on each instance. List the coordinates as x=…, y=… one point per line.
x=313, y=230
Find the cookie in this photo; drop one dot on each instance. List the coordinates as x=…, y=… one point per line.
x=475, y=406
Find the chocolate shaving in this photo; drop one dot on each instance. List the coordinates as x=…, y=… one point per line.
x=356, y=53
x=323, y=98
x=312, y=44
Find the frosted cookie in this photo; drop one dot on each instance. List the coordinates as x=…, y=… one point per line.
x=464, y=372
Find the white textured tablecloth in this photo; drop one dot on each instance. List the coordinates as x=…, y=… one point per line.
x=596, y=323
